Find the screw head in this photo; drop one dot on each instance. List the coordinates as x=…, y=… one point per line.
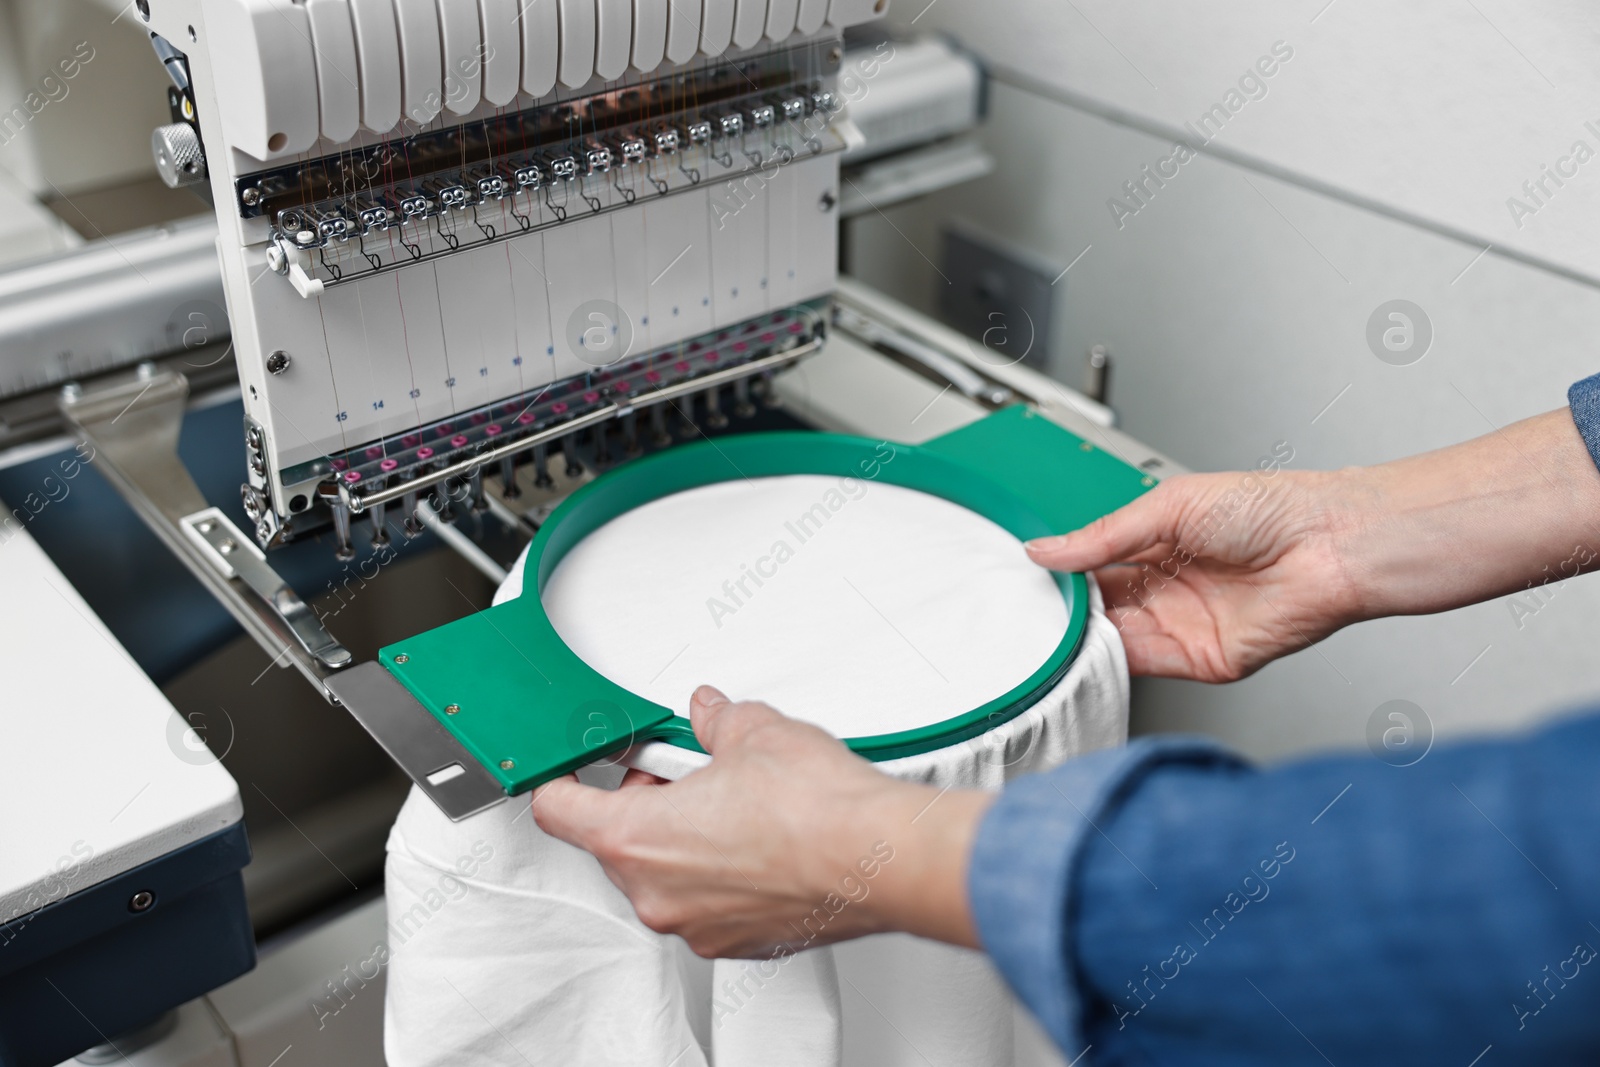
x=251, y=196
x=507, y=764
x=278, y=362
x=142, y=900
x=227, y=545
x=402, y=658
x=827, y=201
x=1147, y=481
x=452, y=709
x=254, y=501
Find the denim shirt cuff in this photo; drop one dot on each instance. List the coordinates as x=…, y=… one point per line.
x=1021, y=877
x=1584, y=398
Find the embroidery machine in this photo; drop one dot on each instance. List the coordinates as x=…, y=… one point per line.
x=473, y=255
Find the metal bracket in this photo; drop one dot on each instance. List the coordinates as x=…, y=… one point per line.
x=133, y=429
x=413, y=738
x=236, y=556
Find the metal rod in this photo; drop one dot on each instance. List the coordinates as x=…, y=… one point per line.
x=360, y=503
x=439, y=489
x=409, y=504
x=569, y=453
x=686, y=423
x=508, y=478
x=658, y=427
x=510, y=519
x=462, y=544
x=714, y=416
x=769, y=394
x=344, y=548
x=380, y=532
x=630, y=434
x=541, y=467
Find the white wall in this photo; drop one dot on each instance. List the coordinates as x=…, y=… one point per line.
x=1439, y=111
x=1236, y=308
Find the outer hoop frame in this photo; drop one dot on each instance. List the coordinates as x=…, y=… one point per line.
x=534, y=710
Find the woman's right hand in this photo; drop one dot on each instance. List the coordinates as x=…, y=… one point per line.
x=1211, y=576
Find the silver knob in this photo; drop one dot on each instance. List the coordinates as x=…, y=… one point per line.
x=179, y=160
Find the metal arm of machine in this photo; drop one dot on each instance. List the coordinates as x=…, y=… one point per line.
x=434, y=760
x=133, y=428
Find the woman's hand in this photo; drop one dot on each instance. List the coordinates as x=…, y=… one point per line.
x=1211, y=576
x=787, y=840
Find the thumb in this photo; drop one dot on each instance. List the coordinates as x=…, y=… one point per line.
x=718, y=721
x=1153, y=519
x=567, y=809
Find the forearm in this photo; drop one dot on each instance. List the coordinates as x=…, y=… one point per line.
x=1430, y=903
x=1515, y=508
x=927, y=835
x=1184, y=907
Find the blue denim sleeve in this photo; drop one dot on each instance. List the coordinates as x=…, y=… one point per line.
x=1025, y=858
x=1338, y=910
x=1584, y=399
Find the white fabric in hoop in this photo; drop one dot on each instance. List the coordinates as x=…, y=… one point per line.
x=863, y=607
x=896, y=610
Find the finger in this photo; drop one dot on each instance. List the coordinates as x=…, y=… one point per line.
x=637, y=777
x=571, y=811
x=1122, y=606
x=1157, y=654
x=1130, y=588
x=1149, y=521
x=538, y=790
x=717, y=719
x=708, y=696
x=705, y=706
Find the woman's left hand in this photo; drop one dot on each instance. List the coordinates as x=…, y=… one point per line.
x=785, y=841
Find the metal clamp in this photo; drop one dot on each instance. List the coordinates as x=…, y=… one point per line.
x=236, y=556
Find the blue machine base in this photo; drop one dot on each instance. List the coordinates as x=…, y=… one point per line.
x=87, y=968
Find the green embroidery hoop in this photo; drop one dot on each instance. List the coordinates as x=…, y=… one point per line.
x=529, y=709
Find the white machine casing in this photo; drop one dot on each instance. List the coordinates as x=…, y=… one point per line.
x=360, y=340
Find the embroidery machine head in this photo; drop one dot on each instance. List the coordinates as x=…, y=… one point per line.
x=455, y=234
